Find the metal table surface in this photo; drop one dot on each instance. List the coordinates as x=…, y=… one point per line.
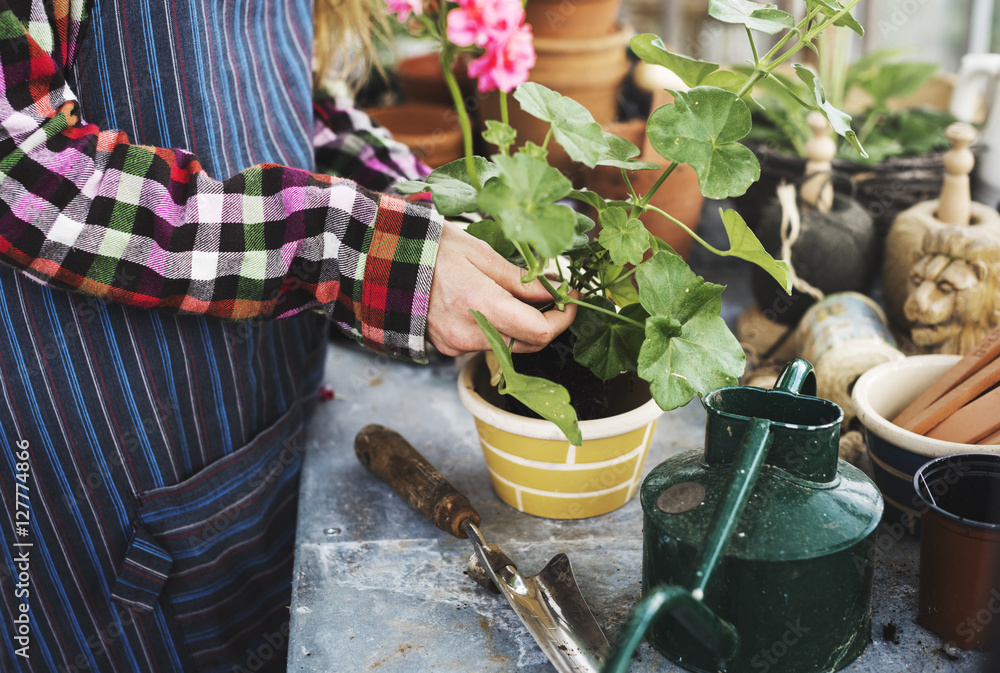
x=378, y=588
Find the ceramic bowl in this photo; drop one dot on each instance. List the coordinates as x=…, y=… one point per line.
x=896, y=454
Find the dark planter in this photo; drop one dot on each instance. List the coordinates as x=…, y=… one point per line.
x=883, y=190
x=835, y=252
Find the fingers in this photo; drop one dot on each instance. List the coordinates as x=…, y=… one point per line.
x=531, y=329
x=508, y=276
x=469, y=274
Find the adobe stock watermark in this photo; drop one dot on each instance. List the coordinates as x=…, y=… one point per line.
x=897, y=16
x=22, y=549
x=98, y=641
x=291, y=450
x=769, y=656
x=975, y=624
x=274, y=645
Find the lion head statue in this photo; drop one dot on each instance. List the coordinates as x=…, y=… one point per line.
x=954, y=291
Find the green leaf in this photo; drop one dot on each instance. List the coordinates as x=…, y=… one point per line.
x=583, y=225
x=499, y=134
x=650, y=48
x=572, y=124
x=892, y=80
x=745, y=245
x=491, y=232
x=530, y=149
x=763, y=18
x=619, y=285
x=451, y=187
x=523, y=198
x=831, y=8
x=548, y=400
x=726, y=79
x=624, y=237
x=621, y=154
x=688, y=349
x=592, y=199
x=608, y=345
x=840, y=121
x=702, y=127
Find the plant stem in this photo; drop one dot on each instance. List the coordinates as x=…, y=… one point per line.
x=534, y=268
x=599, y=309
x=628, y=183
x=870, y=122
x=773, y=59
x=753, y=48
x=548, y=136
x=447, y=59
x=790, y=92
x=628, y=274
x=703, y=242
x=656, y=185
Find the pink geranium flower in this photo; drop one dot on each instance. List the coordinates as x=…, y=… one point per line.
x=402, y=8
x=506, y=63
x=481, y=22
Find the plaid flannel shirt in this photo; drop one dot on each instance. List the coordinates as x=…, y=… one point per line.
x=84, y=209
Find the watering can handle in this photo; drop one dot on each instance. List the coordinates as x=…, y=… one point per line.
x=798, y=377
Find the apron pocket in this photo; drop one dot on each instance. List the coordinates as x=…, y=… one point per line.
x=142, y=573
x=230, y=530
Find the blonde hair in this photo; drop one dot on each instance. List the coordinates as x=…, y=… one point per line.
x=346, y=33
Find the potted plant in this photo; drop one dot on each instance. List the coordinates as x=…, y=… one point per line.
x=901, y=127
x=641, y=308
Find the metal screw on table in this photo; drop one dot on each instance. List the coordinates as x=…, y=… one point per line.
x=331, y=531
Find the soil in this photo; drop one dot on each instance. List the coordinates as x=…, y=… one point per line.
x=588, y=393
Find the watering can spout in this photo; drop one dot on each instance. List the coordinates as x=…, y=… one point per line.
x=717, y=635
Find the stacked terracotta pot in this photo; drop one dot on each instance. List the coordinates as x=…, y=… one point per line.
x=581, y=51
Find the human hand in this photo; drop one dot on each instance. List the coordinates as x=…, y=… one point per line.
x=469, y=274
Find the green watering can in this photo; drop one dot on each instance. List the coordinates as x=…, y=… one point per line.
x=758, y=553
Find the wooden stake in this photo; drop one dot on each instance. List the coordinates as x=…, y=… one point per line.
x=817, y=190
x=955, y=200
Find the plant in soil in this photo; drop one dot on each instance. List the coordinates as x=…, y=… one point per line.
x=880, y=78
x=641, y=308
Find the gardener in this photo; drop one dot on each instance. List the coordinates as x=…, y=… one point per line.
x=151, y=442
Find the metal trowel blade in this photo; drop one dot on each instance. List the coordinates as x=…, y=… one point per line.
x=551, y=607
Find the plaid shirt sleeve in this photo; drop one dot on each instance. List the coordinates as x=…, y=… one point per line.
x=349, y=143
x=83, y=209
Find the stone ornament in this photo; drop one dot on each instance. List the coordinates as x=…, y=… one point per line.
x=954, y=298
x=936, y=264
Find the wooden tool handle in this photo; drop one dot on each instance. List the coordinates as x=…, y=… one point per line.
x=394, y=460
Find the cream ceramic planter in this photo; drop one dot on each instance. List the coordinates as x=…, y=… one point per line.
x=536, y=470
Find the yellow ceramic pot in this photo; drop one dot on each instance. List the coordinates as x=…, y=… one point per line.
x=536, y=470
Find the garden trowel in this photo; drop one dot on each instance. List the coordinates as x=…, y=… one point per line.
x=549, y=604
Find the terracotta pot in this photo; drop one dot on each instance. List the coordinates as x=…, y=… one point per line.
x=421, y=80
x=679, y=195
x=536, y=470
x=430, y=131
x=572, y=18
x=960, y=547
x=587, y=70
